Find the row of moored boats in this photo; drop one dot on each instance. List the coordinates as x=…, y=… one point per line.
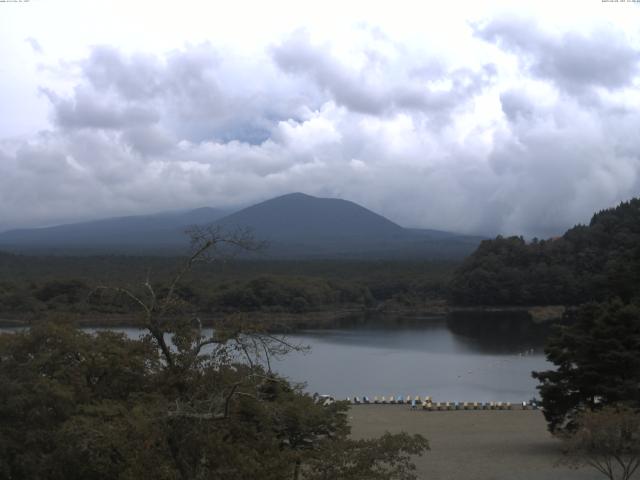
x=426, y=403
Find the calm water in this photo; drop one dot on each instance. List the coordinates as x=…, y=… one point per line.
x=419, y=358
x=412, y=360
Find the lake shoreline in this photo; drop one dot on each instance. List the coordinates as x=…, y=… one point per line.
x=286, y=321
x=295, y=321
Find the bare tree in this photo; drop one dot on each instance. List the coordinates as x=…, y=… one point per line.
x=179, y=335
x=607, y=440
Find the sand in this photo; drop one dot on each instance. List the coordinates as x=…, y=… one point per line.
x=496, y=445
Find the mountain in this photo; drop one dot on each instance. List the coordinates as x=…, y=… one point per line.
x=294, y=226
x=298, y=217
x=159, y=232
x=299, y=225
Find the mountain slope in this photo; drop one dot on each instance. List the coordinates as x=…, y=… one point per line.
x=297, y=216
x=160, y=231
x=301, y=226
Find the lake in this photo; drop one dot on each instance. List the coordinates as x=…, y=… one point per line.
x=413, y=357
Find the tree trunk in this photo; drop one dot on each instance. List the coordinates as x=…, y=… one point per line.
x=296, y=470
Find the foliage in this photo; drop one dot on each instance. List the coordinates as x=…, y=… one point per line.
x=290, y=294
x=607, y=440
x=386, y=458
x=587, y=263
x=174, y=404
x=57, y=380
x=41, y=286
x=597, y=363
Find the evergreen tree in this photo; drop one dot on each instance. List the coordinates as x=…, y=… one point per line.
x=587, y=263
x=597, y=363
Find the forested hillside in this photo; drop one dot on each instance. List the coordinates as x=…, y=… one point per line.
x=588, y=263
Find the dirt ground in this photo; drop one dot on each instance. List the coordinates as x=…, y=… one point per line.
x=479, y=445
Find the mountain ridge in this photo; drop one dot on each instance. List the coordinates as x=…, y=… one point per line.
x=132, y=230
x=295, y=225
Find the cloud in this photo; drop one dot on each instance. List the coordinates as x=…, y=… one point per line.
x=189, y=92
x=573, y=61
x=88, y=109
x=369, y=88
x=485, y=145
x=34, y=44
x=132, y=78
x=560, y=160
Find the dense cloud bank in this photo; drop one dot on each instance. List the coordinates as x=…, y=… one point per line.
x=531, y=138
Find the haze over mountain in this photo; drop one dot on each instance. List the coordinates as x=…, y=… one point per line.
x=294, y=225
x=140, y=233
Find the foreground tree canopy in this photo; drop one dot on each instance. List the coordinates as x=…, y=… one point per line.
x=80, y=406
x=174, y=404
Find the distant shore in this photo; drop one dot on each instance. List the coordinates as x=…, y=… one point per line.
x=325, y=318
x=475, y=444
x=331, y=317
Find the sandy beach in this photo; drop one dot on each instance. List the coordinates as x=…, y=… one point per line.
x=480, y=445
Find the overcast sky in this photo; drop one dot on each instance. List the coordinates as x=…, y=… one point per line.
x=464, y=116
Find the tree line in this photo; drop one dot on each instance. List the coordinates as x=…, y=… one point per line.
x=68, y=285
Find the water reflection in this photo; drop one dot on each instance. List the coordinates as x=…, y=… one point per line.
x=434, y=337
x=418, y=357
x=498, y=332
